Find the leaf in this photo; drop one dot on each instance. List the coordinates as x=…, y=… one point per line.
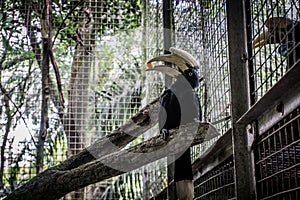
x=6, y=44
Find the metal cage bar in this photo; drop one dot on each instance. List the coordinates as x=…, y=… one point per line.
x=201, y=29
x=277, y=160
x=281, y=48
x=218, y=183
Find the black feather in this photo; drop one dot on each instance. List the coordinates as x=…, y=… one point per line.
x=181, y=95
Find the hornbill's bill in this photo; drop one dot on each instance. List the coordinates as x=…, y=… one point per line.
x=180, y=95
x=284, y=31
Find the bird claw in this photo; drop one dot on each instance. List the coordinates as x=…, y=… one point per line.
x=165, y=134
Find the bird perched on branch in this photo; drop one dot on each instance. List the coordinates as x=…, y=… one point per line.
x=179, y=105
x=283, y=31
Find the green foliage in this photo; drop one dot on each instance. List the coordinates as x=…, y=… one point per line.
x=118, y=91
x=120, y=15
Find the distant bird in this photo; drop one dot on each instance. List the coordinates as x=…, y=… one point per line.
x=283, y=31
x=181, y=95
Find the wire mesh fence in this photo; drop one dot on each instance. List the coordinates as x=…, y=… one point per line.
x=277, y=159
x=100, y=70
x=155, y=82
x=20, y=102
x=101, y=63
x=275, y=45
x=200, y=28
x=114, y=85
x=275, y=50
x=218, y=183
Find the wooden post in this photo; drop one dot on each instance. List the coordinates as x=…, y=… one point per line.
x=239, y=79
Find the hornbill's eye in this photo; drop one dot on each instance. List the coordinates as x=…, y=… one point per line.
x=190, y=73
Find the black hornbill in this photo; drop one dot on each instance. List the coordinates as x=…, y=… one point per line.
x=284, y=31
x=181, y=95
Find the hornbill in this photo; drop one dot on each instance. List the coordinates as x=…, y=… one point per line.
x=179, y=105
x=284, y=31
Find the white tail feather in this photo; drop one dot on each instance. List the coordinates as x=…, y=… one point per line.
x=185, y=190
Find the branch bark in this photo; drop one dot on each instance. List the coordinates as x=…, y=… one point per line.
x=75, y=120
x=145, y=119
x=5, y=138
x=47, y=37
x=54, y=183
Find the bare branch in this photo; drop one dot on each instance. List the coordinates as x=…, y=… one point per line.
x=57, y=74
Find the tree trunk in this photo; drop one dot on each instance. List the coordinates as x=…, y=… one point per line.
x=44, y=124
x=75, y=121
x=8, y=124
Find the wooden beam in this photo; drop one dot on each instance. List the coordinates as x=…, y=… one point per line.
x=286, y=85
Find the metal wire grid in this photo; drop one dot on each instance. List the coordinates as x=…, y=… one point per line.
x=277, y=160
x=268, y=65
x=141, y=183
x=201, y=30
x=116, y=89
x=217, y=71
x=155, y=173
x=20, y=100
x=218, y=183
x=154, y=82
x=101, y=96
x=115, y=85
x=113, y=95
x=128, y=186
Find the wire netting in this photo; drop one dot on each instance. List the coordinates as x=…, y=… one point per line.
x=101, y=72
x=276, y=150
x=280, y=49
x=114, y=83
x=277, y=159
x=20, y=100
x=218, y=183
x=104, y=84
x=201, y=29
x=101, y=61
x=156, y=172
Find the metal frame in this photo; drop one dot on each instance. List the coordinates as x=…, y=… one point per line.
x=258, y=113
x=237, y=36
x=277, y=159
x=214, y=176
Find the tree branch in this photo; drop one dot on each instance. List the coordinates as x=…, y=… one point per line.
x=5, y=138
x=55, y=183
x=145, y=119
x=57, y=75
